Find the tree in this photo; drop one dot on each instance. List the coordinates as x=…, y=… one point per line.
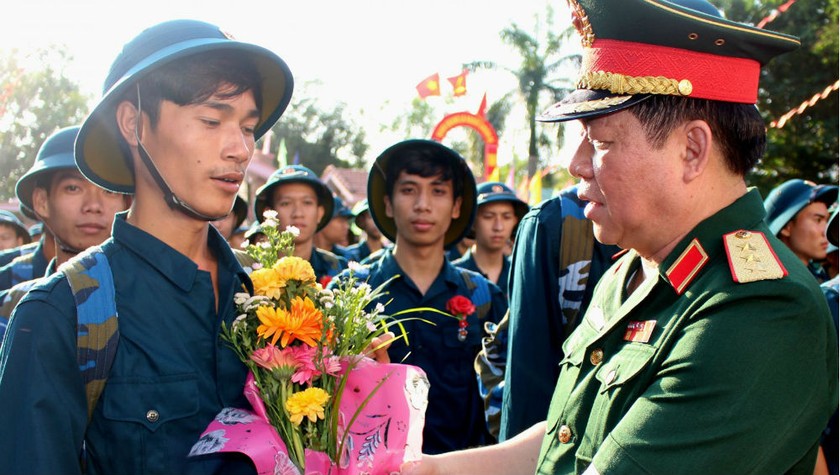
x=34, y=103
x=807, y=145
x=539, y=75
x=320, y=136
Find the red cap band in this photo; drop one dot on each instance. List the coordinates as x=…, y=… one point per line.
x=714, y=77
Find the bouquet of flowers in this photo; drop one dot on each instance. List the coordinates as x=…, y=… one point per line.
x=310, y=383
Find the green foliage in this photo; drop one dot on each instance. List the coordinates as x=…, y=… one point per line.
x=807, y=145
x=36, y=99
x=320, y=135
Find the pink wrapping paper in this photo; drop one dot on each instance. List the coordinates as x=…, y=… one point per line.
x=387, y=432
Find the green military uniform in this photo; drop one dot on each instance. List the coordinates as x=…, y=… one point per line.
x=668, y=379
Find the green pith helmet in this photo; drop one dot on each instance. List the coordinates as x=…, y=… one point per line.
x=633, y=49
x=9, y=218
x=340, y=209
x=98, y=151
x=377, y=192
x=295, y=174
x=786, y=200
x=56, y=153
x=494, y=192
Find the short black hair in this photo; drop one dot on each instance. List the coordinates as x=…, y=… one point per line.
x=738, y=128
x=196, y=78
x=426, y=161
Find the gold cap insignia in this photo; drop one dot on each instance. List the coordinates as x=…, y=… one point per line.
x=751, y=258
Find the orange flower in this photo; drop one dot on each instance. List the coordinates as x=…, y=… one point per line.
x=301, y=322
x=294, y=268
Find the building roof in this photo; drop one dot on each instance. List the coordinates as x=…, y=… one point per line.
x=349, y=184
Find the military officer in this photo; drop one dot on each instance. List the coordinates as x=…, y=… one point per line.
x=708, y=336
x=422, y=197
x=302, y=200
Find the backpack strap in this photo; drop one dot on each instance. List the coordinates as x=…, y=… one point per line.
x=577, y=242
x=22, y=268
x=479, y=291
x=97, y=333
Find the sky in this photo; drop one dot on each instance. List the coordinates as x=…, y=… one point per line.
x=369, y=54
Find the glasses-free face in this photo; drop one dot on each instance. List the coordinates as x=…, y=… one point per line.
x=422, y=209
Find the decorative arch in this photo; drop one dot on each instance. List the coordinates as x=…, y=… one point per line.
x=478, y=123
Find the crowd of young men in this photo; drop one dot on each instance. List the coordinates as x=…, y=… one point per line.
x=649, y=319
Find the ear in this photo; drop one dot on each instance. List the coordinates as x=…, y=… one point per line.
x=126, y=122
x=40, y=202
x=456, y=208
x=785, y=232
x=698, y=148
x=389, y=210
x=320, y=214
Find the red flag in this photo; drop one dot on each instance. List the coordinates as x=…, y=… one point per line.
x=429, y=86
x=459, y=84
x=482, y=108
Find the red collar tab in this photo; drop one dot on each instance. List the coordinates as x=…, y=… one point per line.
x=687, y=266
x=624, y=67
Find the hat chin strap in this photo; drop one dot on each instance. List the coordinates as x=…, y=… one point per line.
x=171, y=199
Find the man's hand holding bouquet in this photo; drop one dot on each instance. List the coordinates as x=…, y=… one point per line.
x=320, y=404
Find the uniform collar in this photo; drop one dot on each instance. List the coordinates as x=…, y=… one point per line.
x=704, y=243
x=388, y=266
x=173, y=265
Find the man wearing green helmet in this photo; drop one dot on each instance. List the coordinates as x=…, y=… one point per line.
x=12, y=231
x=76, y=213
x=303, y=201
x=182, y=108
x=422, y=197
x=707, y=347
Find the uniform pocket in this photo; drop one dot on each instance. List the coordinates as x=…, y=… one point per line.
x=151, y=402
x=624, y=365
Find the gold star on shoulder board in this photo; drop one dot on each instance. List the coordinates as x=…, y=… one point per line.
x=751, y=258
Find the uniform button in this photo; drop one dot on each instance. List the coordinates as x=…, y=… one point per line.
x=152, y=415
x=596, y=356
x=610, y=377
x=564, y=435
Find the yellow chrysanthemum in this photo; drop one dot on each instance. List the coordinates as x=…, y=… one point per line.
x=308, y=403
x=294, y=268
x=268, y=282
x=301, y=322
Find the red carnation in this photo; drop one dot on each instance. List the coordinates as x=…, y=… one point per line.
x=460, y=306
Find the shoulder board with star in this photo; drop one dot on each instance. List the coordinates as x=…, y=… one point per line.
x=751, y=258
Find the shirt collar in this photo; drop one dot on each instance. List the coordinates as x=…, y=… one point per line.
x=176, y=267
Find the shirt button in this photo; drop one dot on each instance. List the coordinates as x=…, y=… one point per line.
x=152, y=415
x=564, y=435
x=596, y=356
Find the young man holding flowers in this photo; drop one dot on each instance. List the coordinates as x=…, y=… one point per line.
x=182, y=108
x=422, y=197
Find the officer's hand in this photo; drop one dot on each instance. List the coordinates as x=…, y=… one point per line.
x=378, y=348
x=424, y=466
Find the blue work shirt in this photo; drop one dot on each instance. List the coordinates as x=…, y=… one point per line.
x=455, y=415
x=542, y=295
x=467, y=261
x=24, y=267
x=326, y=265
x=7, y=255
x=170, y=377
